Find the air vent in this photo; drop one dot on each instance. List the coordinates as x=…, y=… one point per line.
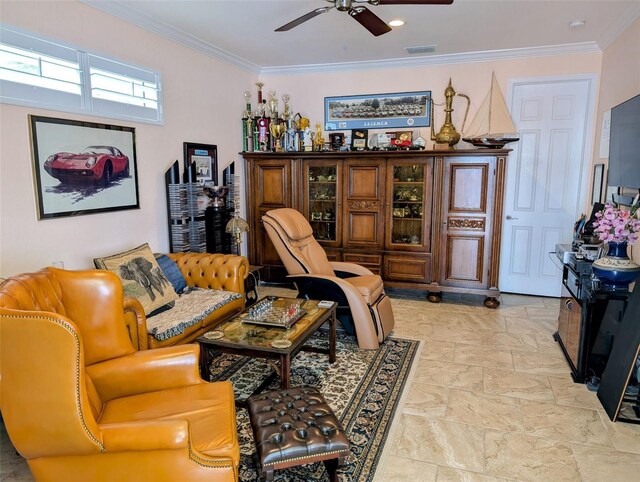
x=425, y=49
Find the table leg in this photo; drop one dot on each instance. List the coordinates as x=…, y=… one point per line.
x=332, y=337
x=205, y=361
x=285, y=371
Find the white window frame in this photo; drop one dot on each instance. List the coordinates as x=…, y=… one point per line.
x=26, y=94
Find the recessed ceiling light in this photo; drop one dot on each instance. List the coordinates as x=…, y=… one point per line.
x=396, y=23
x=577, y=23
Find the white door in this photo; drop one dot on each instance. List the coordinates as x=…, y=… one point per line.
x=544, y=177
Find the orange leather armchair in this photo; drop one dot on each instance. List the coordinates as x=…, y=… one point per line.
x=359, y=293
x=80, y=403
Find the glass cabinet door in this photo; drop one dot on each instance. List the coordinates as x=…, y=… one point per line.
x=322, y=201
x=410, y=202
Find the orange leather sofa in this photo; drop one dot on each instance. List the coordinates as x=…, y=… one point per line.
x=80, y=403
x=200, y=270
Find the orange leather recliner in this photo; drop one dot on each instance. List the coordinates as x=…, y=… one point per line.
x=80, y=403
x=354, y=287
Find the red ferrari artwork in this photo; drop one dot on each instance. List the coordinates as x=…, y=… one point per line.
x=95, y=164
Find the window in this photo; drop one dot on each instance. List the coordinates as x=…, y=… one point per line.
x=40, y=73
x=25, y=67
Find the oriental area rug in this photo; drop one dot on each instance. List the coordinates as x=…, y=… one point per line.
x=363, y=387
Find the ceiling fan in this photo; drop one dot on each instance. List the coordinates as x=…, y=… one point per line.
x=362, y=14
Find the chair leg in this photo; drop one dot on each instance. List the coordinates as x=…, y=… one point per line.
x=332, y=469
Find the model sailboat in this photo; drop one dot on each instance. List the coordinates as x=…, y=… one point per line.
x=492, y=126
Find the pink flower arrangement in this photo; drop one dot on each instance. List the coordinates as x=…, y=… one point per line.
x=617, y=225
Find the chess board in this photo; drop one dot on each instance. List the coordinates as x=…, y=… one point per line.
x=266, y=313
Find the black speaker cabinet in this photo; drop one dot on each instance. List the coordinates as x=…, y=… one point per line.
x=218, y=240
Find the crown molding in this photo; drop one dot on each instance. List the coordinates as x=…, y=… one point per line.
x=120, y=10
x=629, y=16
x=467, y=57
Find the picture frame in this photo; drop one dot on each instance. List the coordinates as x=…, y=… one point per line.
x=82, y=167
x=359, y=138
x=377, y=111
x=402, y=138
x=598, y=180
x=204, y=157
x=336, y=140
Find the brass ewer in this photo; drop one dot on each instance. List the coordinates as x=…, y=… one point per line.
x=448, y=133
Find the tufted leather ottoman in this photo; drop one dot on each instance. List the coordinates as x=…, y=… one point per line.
x=294, y=427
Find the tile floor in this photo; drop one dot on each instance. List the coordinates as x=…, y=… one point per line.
x=491, y=399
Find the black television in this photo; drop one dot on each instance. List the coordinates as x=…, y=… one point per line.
x=624, y=144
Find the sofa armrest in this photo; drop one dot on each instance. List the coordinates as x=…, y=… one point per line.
x=146, y=371
x=136, y=322
x=145, y=435
x=213, y=271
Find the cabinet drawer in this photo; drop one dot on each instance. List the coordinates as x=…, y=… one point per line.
x=363, y=259
x=372, y=262
x=407, y=268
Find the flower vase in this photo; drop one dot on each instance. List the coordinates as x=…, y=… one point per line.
x=615, y=270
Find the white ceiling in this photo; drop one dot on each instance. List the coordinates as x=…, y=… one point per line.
x=242, y=31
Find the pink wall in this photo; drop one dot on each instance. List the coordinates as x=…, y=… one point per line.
x=620, y=80
x=473, y=79
x=202, y=100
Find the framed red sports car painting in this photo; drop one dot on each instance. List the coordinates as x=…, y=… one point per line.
x=82, y=167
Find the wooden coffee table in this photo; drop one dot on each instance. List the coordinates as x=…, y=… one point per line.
x=241, y=338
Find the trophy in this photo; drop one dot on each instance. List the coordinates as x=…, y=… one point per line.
x=318, y=140
x=263, y=133
x=290, y=134
x=287, y=113
x=291, y=138
x=260, y=103
x=247, y=101
x=277, y=130
x=248, y=134
x=256, y=135
x=247, y=128
x=273, y=105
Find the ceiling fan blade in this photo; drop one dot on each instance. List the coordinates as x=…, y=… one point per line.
x=304, y=18
x=369, y=20
x=412, y=2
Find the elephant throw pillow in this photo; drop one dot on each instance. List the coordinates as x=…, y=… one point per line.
x=141, y=278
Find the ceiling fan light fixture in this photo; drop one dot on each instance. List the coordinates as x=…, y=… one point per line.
x=365, y=17
x=396, y=22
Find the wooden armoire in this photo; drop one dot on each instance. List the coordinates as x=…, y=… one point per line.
x=421, y=219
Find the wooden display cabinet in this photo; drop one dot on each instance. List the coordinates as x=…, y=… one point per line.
x=408, y=220
x=364, y=205
x=466, y=227
x=421, y=219
x=322, y=200
x=272, y=186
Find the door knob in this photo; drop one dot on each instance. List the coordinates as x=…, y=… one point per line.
x=509, y=217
